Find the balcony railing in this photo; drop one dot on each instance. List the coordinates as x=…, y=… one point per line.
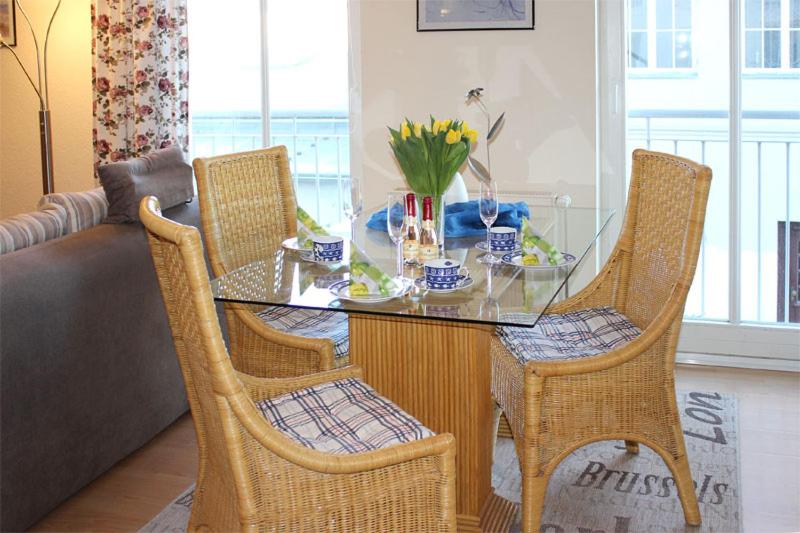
x=770, y=189
x=318, y=145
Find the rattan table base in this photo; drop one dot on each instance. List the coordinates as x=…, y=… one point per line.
x=439, y=372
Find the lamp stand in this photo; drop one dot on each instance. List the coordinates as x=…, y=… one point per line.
x=41, y=89
x=46, y=140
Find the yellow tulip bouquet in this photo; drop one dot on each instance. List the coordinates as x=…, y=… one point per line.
x=429, y=156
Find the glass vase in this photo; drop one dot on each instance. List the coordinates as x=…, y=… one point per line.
x=438, y=221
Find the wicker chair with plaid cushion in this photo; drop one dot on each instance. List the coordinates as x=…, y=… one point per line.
x=247, y=208
x=600, y=365
x=321, y=452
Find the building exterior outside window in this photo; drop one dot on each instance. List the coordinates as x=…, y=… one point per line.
x=660, y=34
x=771, y=34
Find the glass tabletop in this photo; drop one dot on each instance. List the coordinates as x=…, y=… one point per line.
x=501, y=294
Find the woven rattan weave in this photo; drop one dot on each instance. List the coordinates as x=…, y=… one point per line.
x=247, y=208
x=555, y=407
x=252, y=477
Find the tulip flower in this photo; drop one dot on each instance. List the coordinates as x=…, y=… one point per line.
x=452, y=137
x=430, y=154
x=405, y=131
x=472, y=135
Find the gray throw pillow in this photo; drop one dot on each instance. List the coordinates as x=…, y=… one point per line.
x=162, y=173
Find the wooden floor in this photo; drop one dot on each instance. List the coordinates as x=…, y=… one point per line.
x=136, y=489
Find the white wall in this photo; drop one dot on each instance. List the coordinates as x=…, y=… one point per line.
x=70, y=68
x=544, y=80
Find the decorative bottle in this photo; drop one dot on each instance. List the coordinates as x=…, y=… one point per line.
x=428, y=242
x=411, y=231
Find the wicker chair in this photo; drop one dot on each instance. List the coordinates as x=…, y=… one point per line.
x=247, y=208
x=612, y=379
x=259, y=468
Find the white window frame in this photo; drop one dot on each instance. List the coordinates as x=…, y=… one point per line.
x=264, y=75
x=785, y=33
x=730, y=343
x=652, y=32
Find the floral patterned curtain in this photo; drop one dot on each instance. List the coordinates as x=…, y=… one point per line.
x=140, y=77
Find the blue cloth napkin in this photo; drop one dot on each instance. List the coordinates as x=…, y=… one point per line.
x=463, y=219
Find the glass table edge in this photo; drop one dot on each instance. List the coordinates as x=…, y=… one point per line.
x=610, y=213
x=387, y=314
x=591, y=244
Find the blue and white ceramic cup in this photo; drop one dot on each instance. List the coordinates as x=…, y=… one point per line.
x=328, y=249
x=444, y=273
x=502, y=239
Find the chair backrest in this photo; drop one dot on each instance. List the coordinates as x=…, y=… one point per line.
x=247, y=205
x=177, y=253
x=661, y=233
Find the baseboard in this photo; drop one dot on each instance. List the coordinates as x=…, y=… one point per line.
x=738, y=361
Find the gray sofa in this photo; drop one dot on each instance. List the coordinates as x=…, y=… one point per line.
x=87, y=366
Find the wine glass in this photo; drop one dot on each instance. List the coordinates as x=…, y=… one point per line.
x=353, y=204
x=395, y=218
x=489, y=308
x=488, y=208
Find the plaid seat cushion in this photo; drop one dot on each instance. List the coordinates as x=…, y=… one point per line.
x=569, y=336
x=311, y=323
x=345, y=416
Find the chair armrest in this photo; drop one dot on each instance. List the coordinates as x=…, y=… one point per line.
x=670, y=314
x=259, y=389
x=323, y=346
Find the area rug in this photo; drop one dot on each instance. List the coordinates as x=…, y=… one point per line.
x=601, y=488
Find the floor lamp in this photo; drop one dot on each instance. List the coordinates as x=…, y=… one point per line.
x=45, y=131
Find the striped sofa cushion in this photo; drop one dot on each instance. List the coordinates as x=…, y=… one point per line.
x=84, y=209
x=27, y=229
x=569, y=336
x=311, y=323
x=344, y=416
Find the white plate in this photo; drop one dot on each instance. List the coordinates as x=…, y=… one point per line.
x=463, y=284
x=342, y=291
x=515, y=259
x=482, y=246
x=292, y=244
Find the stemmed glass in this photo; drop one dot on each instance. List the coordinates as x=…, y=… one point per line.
x=353, y=204
x=489, y=308
x=488, y=207
x=394, y=223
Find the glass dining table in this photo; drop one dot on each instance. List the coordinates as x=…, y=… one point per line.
x=428, y=351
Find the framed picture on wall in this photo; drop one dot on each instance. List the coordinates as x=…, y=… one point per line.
x=449, y=15
x=8, y=27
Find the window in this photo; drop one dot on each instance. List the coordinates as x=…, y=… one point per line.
x=747, y=129
x=660, y=34
x=744, y=275
x=303, y=75
x=772, y=34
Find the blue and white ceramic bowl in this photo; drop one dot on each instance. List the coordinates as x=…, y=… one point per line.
x=444, y=273
x=503, y=239
x=328, y=249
